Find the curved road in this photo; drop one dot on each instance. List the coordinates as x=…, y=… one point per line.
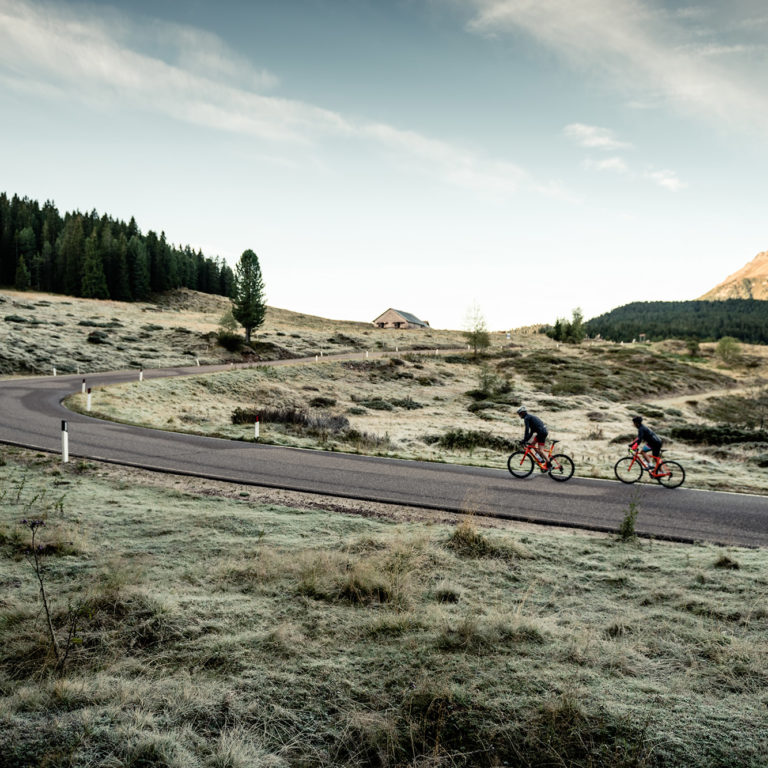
x=31, y=414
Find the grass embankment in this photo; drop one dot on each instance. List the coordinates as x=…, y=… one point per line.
x=457, y=408
x=228, y=632
x=42, y=331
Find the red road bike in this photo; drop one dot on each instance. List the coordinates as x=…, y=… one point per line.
x=630, y=469
x=522, y=463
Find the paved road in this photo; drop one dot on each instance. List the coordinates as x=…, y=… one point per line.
x=31, y=414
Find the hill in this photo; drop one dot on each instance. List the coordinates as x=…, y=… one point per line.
x=744, y=319
x=750, y=282
x=39, y=331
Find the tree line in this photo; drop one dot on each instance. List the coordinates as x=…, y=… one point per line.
x=742, y=319
x=97, y=257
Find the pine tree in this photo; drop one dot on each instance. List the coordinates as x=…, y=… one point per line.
x=249, y=304
x=22, y=275
x=138, y=268
x=94, y=281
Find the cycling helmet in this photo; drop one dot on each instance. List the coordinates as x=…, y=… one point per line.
x=637, y=419
x=522, y=409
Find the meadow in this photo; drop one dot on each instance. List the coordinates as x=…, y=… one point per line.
x=453, y=406
x=199, y=623
x=223, y=625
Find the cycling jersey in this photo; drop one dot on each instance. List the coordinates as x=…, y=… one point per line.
x=646, y=435
x=534, y=424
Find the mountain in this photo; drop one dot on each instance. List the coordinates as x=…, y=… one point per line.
x=750, y=282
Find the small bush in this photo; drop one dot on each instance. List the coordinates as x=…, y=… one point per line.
x=726, y=563
x=322, y=402
x=407, y=403
x=627, y=528
x=468, y=440
x=232, y=342
x=291, y=416
x=377, y=404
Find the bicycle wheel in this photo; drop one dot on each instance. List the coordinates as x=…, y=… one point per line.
x=561, y=468
x=628, y=470
x=520, y=464
x=670, y=474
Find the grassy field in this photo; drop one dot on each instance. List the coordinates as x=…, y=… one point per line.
x=43, y=331
x=456, y=408
x=219, y=625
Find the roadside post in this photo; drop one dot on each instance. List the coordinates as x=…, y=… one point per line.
x=256, y=429
x=88, y=401
x=64, y=442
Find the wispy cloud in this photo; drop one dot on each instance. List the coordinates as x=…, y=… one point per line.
x=594, y=137
x=604, y=140
x=108, y=61
x=616, y=164
x=666, y=179
x=646, y=52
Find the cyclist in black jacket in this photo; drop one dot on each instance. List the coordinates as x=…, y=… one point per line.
x=650, y=438
x=535, y=430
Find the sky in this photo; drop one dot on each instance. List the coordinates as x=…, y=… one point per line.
x=517, y=157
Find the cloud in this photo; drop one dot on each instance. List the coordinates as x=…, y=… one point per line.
x=593, y=137
x=646, y=52
x=616, y=164
x=103, y=58
x=666, y=179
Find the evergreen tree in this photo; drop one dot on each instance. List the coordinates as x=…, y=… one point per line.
x=73, y=253
x=249, y=305
x=94, y=281
x=138, y=269
x=22, y=275
x=122, y=286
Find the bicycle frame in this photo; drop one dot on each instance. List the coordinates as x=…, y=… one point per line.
x=529, y=451
x=650, y=467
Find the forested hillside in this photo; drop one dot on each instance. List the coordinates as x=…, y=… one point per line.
x=98, y=257
x=744, y=319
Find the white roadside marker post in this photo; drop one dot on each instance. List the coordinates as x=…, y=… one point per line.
x=197, y=360
x=88, y=401
x=256, y=429
x=54, y=370
x=64, y=442
x=82, y=387
x=141, y=374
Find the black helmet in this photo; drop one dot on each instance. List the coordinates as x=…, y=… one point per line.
x=637, y=419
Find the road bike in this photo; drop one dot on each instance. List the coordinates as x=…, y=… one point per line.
x=629, y=469
x=522, y=463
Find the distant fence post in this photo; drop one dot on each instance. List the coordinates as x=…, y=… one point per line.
x=64, y=442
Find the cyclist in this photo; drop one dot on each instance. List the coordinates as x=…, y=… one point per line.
x=650, y=438
x=535, y=431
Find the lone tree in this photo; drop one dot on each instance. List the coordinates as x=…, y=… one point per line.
x=475, y=329
x=249, y=305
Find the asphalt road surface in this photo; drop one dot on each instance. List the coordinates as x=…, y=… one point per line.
x=31, y=416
